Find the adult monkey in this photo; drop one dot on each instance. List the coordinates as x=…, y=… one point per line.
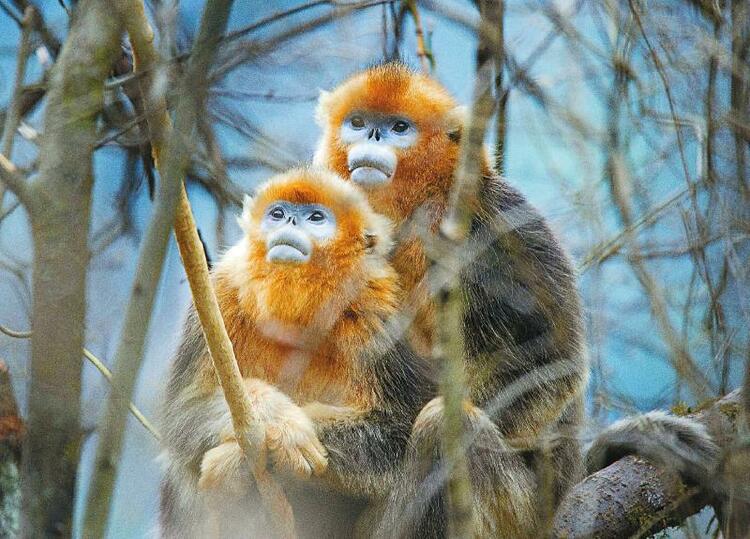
x=396, y=133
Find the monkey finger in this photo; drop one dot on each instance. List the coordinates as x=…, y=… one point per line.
x=290, y=461
x=274, y=437
x=316, y=458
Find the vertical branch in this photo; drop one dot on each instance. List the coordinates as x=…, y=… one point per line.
x=129, y=352
x=59, y=207
x=740, y=87
x=249, y=433
x=736, y=510
x=738, y=462
x=501, y=93
x=426, y=59
x=13, y=114
x=449, y=347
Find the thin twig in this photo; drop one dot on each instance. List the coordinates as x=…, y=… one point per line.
x=10, y=13
x=425, y=56
x=102, y=368
x=13, y=113
x=10, y=176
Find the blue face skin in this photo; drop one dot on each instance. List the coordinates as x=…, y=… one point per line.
x=292, y=230
x=372, y=139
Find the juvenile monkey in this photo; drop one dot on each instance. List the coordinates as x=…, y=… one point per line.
x=304, y=295
x=396, y=133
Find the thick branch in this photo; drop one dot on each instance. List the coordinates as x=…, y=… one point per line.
x=61, y=200
x=633, y=497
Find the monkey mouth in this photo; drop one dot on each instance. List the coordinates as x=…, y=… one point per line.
x=370, y=172
x=288, y=249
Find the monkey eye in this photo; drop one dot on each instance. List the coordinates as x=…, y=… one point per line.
x=400, y=126
x=276, y=213
x=316, y=217
x=357, y=122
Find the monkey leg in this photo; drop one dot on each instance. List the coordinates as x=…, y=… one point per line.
x=503, y=484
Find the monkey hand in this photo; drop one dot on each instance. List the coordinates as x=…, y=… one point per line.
x=293, y=446
x=221, y=469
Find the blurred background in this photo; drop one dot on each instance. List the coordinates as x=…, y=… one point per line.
x=626, y=125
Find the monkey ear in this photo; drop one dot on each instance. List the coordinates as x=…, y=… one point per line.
x=244, y=219
x=324, y=105
x=378, y=236
x=371, y=241
x=456, y=119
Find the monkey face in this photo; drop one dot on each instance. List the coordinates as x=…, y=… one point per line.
x=373, y=140
x=293, y=230
x=311, y=221
x=394, y=132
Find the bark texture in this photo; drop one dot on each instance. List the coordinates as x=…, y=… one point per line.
x=59, y=205
x=633, y=497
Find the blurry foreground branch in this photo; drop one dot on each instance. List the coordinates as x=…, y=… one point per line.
x=449, y=346
x=172, y=154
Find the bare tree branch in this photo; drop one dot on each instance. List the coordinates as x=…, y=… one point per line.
x=171, y=153
x=634, y=498
x=102, y=368
x=449, y=345
x=13, y=114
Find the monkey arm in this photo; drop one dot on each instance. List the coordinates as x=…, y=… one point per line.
x=522, y=323
x=194, y=412
x=365, y=447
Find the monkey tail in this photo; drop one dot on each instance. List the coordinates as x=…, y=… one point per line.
x=679, y=443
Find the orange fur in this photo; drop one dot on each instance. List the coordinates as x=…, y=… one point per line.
x=302, y=327
x=424, y=173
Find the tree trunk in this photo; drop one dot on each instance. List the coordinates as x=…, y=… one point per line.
x=59, y=203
